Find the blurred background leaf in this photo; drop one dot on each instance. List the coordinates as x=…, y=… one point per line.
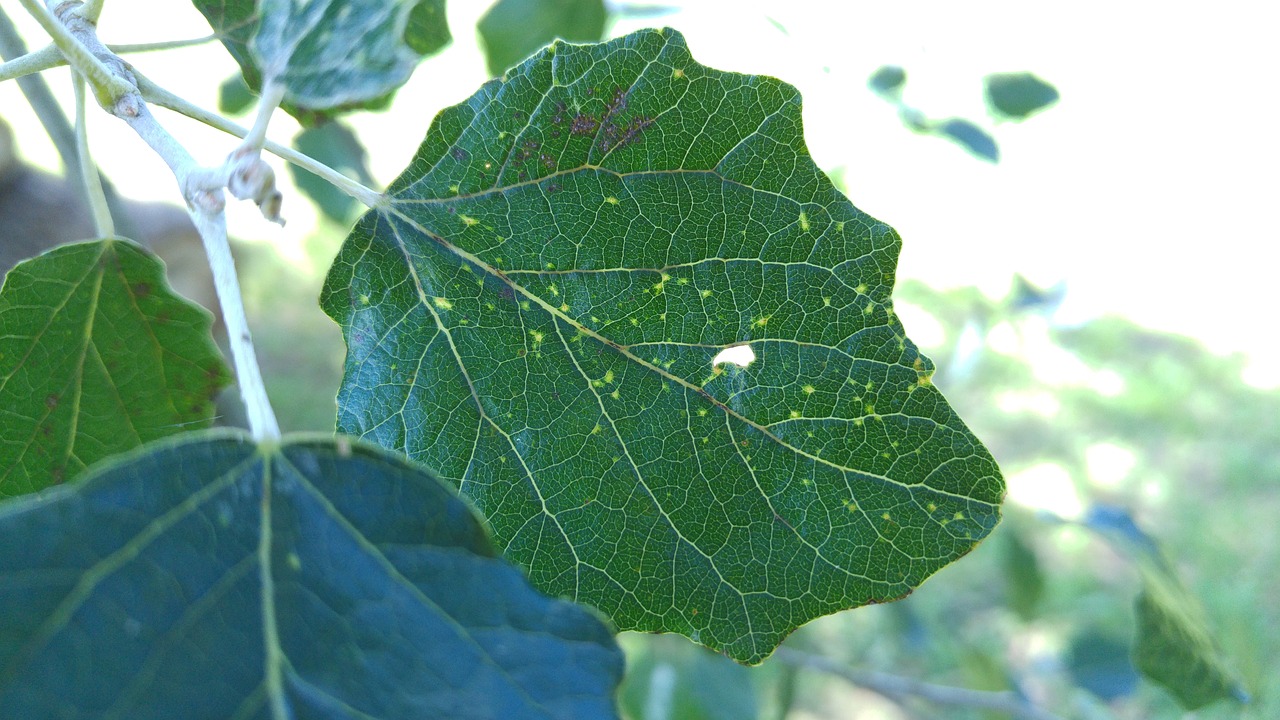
x=513, y=29
x=334, y=144
x=887, y=81
x=1019, y=95
x=968, y=136
x=234, y=96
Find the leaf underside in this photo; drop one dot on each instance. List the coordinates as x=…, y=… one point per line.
x=210, y=577
x=331, y=55
x=535, y=314
x=97, y=356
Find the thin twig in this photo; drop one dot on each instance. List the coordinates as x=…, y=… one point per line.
x=157, y=95
x=43, y=59
x=55, y=122
x=206, y=208
x=164, y=45
x=49, y=57
x=89, y=178
x=898, y=688
x=90, y=10
x=202, y=188
x=109, y=84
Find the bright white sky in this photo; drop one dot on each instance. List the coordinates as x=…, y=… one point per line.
x=1151, y=187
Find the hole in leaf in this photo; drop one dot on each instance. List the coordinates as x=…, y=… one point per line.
x=740, y=355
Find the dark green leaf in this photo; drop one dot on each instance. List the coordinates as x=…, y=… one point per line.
x=97, y=356
x=234, y=96
x=210, y=577
x=969, y=136
x=1173, y=645
x=333, y=55
x=513, y=29
x=335, y=145
x=1024, y=582
x=1018, y=95
x=888, y=80
x=536, y=311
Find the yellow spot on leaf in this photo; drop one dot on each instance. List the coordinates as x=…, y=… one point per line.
x=702, y=412
x=553, y=290
x=564, y=307
x=537, y=336
x=364, y=299
x=611, y=200
x=804, y=221
x=677, y=73
x=443, y=303
x=794, y=414
x=808, y=389
x=706, y=293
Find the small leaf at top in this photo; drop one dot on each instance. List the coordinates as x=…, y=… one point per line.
x=209, y=577
x=1018, y=95
x=512, y=30
x=97, y=356
x=887, y=81
x=331, y=55
x=539, y=312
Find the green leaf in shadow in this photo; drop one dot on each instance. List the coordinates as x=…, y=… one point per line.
x=212, y=577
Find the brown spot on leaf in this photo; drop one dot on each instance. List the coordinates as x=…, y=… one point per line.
x=51, y=401
x=584, y=124
x=141, y=289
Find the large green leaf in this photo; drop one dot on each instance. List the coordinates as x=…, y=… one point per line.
x=535, y=312
x=330, y=54
x=97, y=356
x=513, y=29
x=209, y=577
